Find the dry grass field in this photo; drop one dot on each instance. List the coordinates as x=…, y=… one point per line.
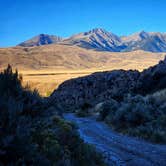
x=45, y=67
x=47, y=82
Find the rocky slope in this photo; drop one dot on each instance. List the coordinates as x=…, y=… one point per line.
x=41, y=39
x=98, y=39
x=154, y=42
x=115, y=84
x=102, y=40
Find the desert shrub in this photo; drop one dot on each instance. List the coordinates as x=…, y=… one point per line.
x=107, y=108
x=148, y=132
x=62, y=144
x=139, y=116
x=10, y=82
x=31, y=134
x=130, y=116
x=157, y=99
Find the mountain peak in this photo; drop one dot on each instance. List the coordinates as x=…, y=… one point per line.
x=135, y=37
x=42, y=35
x=41, y=39
x=143, y=34
x=95, y=30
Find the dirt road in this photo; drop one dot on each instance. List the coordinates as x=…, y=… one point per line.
x=119, y=149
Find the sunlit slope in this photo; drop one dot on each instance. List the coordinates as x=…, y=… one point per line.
x=45, y=67
x=63, y=57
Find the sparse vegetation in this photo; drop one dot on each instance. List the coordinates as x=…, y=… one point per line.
x=130, y=101
x=32, y=132
x=106, y=108
x=140, y=116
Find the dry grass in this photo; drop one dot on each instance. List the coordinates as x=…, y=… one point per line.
x=48, y=82
x=45, y=67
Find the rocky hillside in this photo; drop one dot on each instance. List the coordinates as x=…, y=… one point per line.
x=115, y=84
x=102, y=40
x=98, y=39
x=41, y=39
x=154, y=42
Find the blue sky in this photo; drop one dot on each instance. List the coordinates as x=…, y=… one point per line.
x=23, y=19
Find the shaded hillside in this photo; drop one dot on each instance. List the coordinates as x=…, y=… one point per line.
x=114, y=84
x=95, y=87
x=130, y=102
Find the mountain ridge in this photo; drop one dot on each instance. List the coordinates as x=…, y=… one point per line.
x=41, y=39
x=97, y=38
x=102, y=40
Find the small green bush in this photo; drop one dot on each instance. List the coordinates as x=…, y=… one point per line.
x=107, y=108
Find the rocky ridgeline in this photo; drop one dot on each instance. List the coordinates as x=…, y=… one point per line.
x=102, y=40
x=115, y=84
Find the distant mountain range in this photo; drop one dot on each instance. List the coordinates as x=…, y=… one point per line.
x=102, y=40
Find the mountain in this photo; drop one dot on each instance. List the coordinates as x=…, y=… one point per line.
x=41, y=39
x=98, y=39
x=153, y=42
x=102, y=40
x=135, y=37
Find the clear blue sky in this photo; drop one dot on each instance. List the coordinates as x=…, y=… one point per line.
x=23, y=19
